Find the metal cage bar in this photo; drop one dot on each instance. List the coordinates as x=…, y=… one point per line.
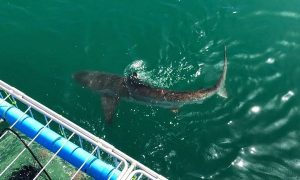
x=126, y=167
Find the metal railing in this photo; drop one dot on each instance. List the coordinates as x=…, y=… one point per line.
x=125, y=167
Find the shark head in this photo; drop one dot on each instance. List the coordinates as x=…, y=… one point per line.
x=132, y=79
x=101, y=82
x=110, y=86
x=133, y=82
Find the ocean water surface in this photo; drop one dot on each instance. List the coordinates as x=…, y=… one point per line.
x=174, y=44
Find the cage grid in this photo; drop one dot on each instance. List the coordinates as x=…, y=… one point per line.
x=95, y=149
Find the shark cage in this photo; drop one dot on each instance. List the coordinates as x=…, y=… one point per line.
x=38, y=143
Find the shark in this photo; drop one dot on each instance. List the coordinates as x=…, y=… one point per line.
x=113, y=87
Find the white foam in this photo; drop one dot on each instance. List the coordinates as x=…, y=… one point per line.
x=255, y=109
x=270, y=61
x=287, y=96
x=252, y=150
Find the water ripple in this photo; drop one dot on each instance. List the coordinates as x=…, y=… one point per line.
x=284, y=14
x=287, y=96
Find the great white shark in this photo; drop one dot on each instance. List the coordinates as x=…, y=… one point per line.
x=113, y=87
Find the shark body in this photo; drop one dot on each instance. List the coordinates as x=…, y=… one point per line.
x=113, y=87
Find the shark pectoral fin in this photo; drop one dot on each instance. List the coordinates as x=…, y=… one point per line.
x=109, y=104
x=222, y=92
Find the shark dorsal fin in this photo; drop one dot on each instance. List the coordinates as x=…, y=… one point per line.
x=109, y=104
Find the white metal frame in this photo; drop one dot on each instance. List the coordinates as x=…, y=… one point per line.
x=131, y=168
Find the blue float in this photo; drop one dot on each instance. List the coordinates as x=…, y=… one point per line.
x=53, y=142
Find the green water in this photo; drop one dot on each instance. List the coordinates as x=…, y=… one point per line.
x=253, y=134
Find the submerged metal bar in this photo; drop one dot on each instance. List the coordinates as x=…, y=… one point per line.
x=92, y=153
x=11, y=163
x=63, y=145
x=62, y=129
x=44, y=110
x=141, y=172
x=112, y=173
x=24, y=113
x=141, y=175
x=106, y=147
x=98, y=153
x=62, y=121
x=80, y=141
x=52, y=141
x=46, y=119
x=31, y=114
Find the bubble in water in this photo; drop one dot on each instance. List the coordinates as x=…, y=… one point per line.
x=255, y=109
x=230, y=122
x=287, y=96
x=138, y=64
x=252, y=150
x=198, y=73
x=270, y=60
x=239, y=162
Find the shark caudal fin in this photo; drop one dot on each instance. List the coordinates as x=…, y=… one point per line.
x=221, y=84
x=223, y=93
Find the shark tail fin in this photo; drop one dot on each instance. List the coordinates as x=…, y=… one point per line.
x=221, y=90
